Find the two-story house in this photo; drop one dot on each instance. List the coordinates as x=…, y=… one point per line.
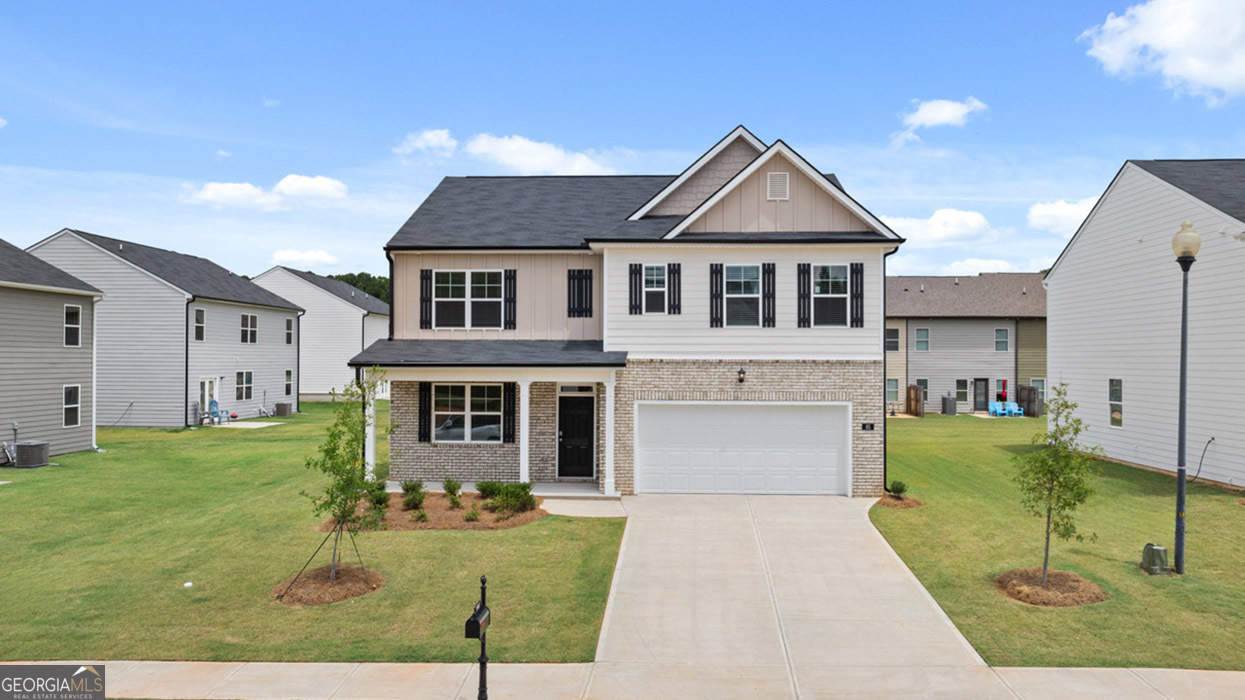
x=340, y=322
x=47, y=354
x=175, y=331
x=976, y=338
x=718, y=331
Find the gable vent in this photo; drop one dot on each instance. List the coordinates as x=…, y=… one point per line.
x=778, y=186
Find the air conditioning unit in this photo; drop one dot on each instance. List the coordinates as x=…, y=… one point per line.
x=283, y=410
x=31, y=454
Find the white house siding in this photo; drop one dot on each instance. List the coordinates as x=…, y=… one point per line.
x=376, y=327
x=897, y=360
x=960, y=349
x=35, y=366
x=140, y=354
x=1113, y=306
x=689, y=334
x=221, y=354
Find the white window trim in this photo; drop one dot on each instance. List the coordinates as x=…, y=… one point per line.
x=665, y=287
x=886, y=337
x=1007, y=340
x=847, y=268
x=289, y=331
x=66, y=325
x=888, y=390
x=769, y=188
x=253, y=320
x=196, y=325
x=916, y=340
x=726, y=321
x=65, y=406
x=968, y=390
x=467, y=413
x=1111, y=403
x=289, y=382
x=1042, y=390
x=924, y=388
x=998, y=386
x=243, y=385
x=467, y=299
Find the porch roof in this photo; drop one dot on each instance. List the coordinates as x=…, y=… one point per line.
x=488, y=353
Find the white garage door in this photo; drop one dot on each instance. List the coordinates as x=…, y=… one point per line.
x=741, y=448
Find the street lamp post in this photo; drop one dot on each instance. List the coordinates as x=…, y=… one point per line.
x=1185, y=244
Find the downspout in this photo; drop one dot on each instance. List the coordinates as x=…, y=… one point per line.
x=186, y=375
x=886, y=433
x=298, y=361
x=1016, y=360
x=389, y=256
x=94, y=372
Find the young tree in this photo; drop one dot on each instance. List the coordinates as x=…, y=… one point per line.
x=1058, y=477
x=341, y=459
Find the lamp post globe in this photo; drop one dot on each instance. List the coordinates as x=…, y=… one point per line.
x=1185, y=244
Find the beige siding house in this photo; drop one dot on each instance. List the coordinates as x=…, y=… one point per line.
x=719, y=331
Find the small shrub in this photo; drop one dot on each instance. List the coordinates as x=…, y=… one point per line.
x=420, y=516
x=414, y=500
x=456, y=501
x=378, y=498
x=489, y=489
x=898, y=488
x=412, y=486
x=472, y=515
x=452, y=486
x=514, y=498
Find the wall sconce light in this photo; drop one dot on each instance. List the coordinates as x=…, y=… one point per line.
x=743, y=373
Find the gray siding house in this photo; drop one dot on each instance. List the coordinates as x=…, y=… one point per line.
x=47, y=353
x=176, y=331
x=970, y=337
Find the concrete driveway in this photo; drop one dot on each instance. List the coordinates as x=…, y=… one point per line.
x=773, y=597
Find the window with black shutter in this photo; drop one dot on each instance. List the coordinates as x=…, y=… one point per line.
x=425, y=298
x=425, y=411
x=767, y=295
x=511, y=289
x=715, y=295
x=507, y=412
x=674, y=292
x=858, y=295
x=829, y=295
x=579, y=293
x=635, y=289
x=803, y=286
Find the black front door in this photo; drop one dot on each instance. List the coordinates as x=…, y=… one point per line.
x=981, y=396
x=575, y=431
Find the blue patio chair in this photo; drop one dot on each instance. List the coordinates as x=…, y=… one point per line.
x=1014, y=409
x=996, y=408
x=218, y=416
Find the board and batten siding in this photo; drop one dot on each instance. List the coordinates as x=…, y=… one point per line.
x=35, y=366
x=1113, y=312
x=140, y=351
x=1030, y=350
x=809, y=208
x=688, y=334
x=960, y=349
x=221, y=354
x=897, y=360
x=540, y=294
x=375, y=327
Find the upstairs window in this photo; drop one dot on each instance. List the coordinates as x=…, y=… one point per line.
x=922, y=340
x=463, y=299
x=289, y=331
x=250, y=328
x=830, y=295
x=73, y=326
x=654, y=289
x=201, y=324
x=743, y=295
x=892, y=340
x=1115, y=397
x=1000, y=340
x=242, y=386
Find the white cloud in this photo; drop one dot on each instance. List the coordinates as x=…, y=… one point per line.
x=222, y=154
x=232, y=194
x=973, y=266
x=313, y=186
x=269, y=102
x=3, y=122
x=303, y=258
x=434, y=142
x=931, y=113
x=528, y=157
x=1060, y=216
x=944, y=227
x=1197, y=46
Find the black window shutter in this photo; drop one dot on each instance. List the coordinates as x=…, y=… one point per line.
x=425, y=298
x=858, y=295
x=767, y=295
x=635, y=289
x=572, y=293
x=715, y=295
x=586, y=296
x=804, y=292
x=674, y=288
x=507, y=412
x=509, y=283
x=425, y=411
x=579, y=293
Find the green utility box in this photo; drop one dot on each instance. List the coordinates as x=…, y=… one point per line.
x=1154, y=560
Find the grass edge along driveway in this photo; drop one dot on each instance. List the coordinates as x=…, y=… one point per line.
x=94, y=554
x=973, y=528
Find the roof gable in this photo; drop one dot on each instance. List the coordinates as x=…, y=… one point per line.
x=17, y=267
x=987, y=295
x=346, y=292
x=1219, y=183
x=705, y=176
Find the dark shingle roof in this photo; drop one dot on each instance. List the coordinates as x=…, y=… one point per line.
x=488, y=353
x=198, y=276
x=19, y=267
x=988, y=295
x=1219, y=183
x=343, y=291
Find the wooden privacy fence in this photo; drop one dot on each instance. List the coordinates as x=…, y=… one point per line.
x=1030, y=401
x=915, y=405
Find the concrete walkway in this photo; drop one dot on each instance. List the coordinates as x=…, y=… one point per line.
x=719, y=597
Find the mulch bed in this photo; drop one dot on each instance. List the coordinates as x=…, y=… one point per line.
x=315, y=588
x=1241, y=502
x=1063, y=589
x=890, y=501
x=442, y=517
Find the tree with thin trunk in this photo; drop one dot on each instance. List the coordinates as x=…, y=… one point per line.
x=1057, y=477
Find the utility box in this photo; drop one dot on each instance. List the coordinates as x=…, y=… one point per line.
x=948, y=405
x=1154, y=560
x=284, y=410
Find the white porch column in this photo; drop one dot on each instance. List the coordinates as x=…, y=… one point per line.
x=609, y=435
x=525, y=394
x=369, y=440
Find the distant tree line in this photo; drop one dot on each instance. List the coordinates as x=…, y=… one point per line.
x=376, y=286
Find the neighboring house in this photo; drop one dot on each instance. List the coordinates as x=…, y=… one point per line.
x=340, y=322
x=47, y=353
x=1115, y=296
x=971, y=337
x=718, y=331
x=176, y=331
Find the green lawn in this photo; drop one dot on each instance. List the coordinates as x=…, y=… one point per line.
x=94, y=552
x=973, y=528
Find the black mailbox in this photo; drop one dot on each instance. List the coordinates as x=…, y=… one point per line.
x=478, y=623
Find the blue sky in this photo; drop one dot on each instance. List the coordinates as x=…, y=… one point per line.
x=307, y=133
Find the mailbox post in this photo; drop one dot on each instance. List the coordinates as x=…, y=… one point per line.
x=477, y=628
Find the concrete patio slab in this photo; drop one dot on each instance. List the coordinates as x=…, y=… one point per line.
x=527, y=682
x=1179, y=684
x=387, y=681
x=275, y=681
x=617, y=681
x=246, y=425
x=1077, y=683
